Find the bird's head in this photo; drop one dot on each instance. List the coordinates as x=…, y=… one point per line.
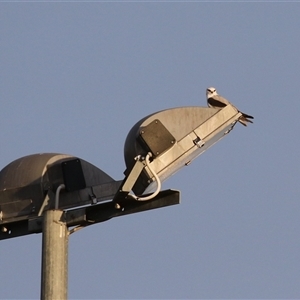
x=210, y=92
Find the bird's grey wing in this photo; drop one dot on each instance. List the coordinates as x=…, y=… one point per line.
x=217, y=101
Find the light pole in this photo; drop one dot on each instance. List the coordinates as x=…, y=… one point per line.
x=54, y=256
x=50, y=192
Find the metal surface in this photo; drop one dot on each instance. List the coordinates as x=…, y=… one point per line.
x=105, y=211
x=73, y=175
x=26, y=182
x=82, y=216
x=54, y=256
x=194, y=129
x=129, y=181
x=156, y=137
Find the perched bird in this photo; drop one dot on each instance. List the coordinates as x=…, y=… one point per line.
x=216, y=101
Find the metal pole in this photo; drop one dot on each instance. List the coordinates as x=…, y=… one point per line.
x=54, y=256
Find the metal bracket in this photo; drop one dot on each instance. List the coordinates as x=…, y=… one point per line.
x=92, y=196
x=198, y=142
x=129, y=181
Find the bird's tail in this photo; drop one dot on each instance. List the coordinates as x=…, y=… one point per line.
x=247, y=116
x=244, y=119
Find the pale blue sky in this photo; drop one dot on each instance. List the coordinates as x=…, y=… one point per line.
x=76, y=76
